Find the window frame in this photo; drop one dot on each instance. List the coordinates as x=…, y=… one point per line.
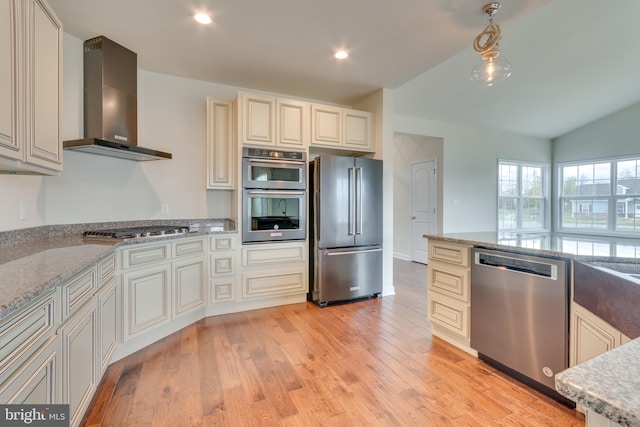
x=545, y=198
x=613, y=199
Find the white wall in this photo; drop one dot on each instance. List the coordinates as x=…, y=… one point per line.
x=409, y=149
x=171, y=117
x=469, y=168
x=615, y=135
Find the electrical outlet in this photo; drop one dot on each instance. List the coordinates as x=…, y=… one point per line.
x=164, y=209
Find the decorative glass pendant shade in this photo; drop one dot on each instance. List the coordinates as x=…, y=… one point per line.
x=491, y=70
x=492, y=67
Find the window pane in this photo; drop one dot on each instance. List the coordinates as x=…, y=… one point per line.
x=532, y=213
x=531, y=181
x=628, y=214
x=594, y=179
x=583, y=212
x=507, y=213
x=508, y=181
x=569, y=181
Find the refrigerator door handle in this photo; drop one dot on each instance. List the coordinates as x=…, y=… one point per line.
x=359, y=216
x=337, y=253
x=352, y=201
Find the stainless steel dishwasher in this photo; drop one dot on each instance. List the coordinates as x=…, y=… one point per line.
x=520, y=315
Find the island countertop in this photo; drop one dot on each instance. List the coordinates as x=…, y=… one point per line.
x=574, y=246
x=608, y=384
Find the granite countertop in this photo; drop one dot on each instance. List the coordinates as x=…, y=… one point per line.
x=608, y=384
x=34, y=261
x=574, y=246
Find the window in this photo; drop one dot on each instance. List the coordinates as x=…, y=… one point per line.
x=602, y=196
x=522, y=196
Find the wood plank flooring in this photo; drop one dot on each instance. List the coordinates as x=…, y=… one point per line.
x=368, y=363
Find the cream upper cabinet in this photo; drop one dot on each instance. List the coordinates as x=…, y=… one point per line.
x=220, y=145
x=30, y=87
x=357, y=130
x=9, y=146
x=256, y=119
x=341, y=128
x=293, y=123
x=270, y=121
x=326, y=125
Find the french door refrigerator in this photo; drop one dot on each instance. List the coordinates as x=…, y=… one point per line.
x=345, y=228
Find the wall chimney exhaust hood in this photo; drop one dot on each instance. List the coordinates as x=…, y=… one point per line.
x=110, y=104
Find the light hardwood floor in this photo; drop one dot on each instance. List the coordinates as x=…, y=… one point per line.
x=368, y=363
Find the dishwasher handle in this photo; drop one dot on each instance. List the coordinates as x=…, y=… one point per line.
x=518, y=265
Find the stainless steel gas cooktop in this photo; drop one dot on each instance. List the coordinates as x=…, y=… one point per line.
x=136, y=232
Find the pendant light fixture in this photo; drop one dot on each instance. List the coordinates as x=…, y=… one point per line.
x=492, y=67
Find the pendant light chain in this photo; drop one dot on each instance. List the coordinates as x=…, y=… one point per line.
x=490, y=46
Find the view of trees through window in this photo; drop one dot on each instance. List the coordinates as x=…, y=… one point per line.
x=601, y=196
x=521, y=196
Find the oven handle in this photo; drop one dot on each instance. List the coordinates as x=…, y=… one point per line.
x=285, y=162
x=292, y=193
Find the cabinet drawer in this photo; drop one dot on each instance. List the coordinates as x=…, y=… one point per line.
x=222, y=243
x=20, y=333
x=449, y=279
x=145, y=255
x=279, y=254
x=222, y=289
x=273, y=282
x=450, y=314
x=450, y=252
x=222, y=263
x=78, y=291
x=107, y=269
x=188, y=247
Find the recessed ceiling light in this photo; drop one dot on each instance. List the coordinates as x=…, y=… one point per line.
x=342, y=54
x=202, y=18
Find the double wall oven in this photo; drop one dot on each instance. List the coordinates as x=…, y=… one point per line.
x=274, y=195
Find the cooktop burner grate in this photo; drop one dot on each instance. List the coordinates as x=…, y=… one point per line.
x=136, y=232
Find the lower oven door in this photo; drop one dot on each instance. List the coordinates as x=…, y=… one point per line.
x=273, y=215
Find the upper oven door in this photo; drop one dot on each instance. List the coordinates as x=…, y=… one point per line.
x=274, y=174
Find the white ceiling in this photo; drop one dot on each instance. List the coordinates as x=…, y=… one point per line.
x=573, y=60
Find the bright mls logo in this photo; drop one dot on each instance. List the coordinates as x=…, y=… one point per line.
x=34, y=415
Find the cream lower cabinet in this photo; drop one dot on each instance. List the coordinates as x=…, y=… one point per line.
x=79, y=360
x=590, y=335
x=222, y=269
x=30, y=354
x=274, y=270
x=449, y=288
x=162, y=282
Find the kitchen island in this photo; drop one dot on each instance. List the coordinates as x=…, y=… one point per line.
x=608, y=291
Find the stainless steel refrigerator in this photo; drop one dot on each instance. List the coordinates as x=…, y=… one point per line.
x=345, y=228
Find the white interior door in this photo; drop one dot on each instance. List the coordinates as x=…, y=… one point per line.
x=423, y=207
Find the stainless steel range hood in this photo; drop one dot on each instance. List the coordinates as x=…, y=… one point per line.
x=110, y=104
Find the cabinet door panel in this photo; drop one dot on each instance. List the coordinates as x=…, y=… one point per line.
x=220, y=145
x=258, y=119
x=326, y=125
x=44, y=89
x=146, y=299
x=357, y=130
x=188, y=282
x=8, y=84
x=293, y=123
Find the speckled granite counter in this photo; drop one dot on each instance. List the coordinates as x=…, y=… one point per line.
x=608, y=384
x=574, y=246
x=36, y=260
